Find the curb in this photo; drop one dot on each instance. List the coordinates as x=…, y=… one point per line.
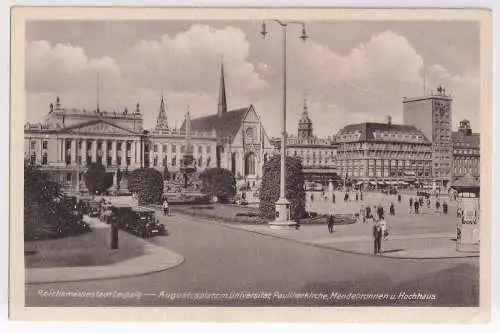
x=233, y=226
x=159, y=259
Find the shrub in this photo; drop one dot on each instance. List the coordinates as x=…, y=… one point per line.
x=218, y=182
x=270, y=187
x=147, y=183
x=97, y=179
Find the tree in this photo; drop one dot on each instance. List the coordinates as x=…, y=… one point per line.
x=218, y=182
x=97, y=179
x=147, y=183
x=270, y=187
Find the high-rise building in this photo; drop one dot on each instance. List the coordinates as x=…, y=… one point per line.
x=432, y=114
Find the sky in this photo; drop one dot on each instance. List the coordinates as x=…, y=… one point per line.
x=348, y=71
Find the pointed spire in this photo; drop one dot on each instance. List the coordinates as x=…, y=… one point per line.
x=161, y=120
x=222, y=106
x=305, y=111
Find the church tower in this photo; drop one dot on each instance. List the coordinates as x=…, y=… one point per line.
x=161, y=120
x=222, y=106
x=305, y=124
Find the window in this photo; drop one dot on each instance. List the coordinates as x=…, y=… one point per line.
x=200, y=150
x=208, y=161
x=174, y=149
x=33, y=144
x=173, y=161
x=200, y=161
x=165, y=148
x=68, y=177
x=155, y=148
x=33, y=158
x=44, y=144
x=44, y=159
x=118, y=160
x=128, y=160
x=155, y=160
x=108, y=161
x=209, y=149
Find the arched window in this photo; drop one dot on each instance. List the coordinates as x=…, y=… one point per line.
x=250, y=164
x=233, y=163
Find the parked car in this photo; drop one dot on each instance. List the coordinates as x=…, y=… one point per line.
x=138, y=221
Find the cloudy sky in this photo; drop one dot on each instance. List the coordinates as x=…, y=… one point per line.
x=350, y=71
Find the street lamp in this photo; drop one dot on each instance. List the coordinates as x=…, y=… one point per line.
x=282, y=219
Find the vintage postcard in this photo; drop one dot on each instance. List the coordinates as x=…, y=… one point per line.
x=251, y=164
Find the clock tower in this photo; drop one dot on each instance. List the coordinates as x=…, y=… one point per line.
x=432, y=115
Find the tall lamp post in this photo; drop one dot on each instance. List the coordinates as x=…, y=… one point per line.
x=282, y=217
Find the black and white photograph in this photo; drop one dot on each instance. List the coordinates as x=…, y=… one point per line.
x=269, y=161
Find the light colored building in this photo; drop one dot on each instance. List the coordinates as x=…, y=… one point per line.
x=383, y=154
x=69, y=140
x=318, y=155
x=242, y=143
x=466, y=151
x=432, y=114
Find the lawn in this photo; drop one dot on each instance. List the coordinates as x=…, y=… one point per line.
x=89, y=249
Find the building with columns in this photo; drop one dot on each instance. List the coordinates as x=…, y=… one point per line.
x=373, y=154
x=242, y=143
x=69, y=140
x=432, y=114
x=318, y=155
x=466, y=151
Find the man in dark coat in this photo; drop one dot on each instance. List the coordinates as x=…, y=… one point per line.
x=391, y=209
x=380, y=212
x=417, y=206
x=333, y=197
x=377, y=238
x=399, y=198
x=330, y=222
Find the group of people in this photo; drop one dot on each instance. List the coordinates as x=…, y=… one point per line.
x=415, y=204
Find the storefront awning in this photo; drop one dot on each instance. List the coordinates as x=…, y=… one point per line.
x=360, y=182
x=373, y=183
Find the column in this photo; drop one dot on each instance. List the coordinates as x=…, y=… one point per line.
x=113, y=153
x=83, y=153
x=74, y=147
x=133, y=158
x=105, y=152
x=94, y=150
x=124, y=154
x=141, y=154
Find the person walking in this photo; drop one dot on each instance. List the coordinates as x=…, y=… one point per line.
x=330, y=223
x=333, y=197
x=438, y=205
x=417, y=206
x=391, y=209
x=380, y=212
x=377, y=238
x=357, y=197
x=399, y=197
x=411, y=205
x=165, y=207
x=346, y=197
x=361, y=195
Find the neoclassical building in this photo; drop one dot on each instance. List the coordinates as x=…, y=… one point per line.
x=318, y=155
x=466, y=151
x=384, y=153
x=70, y=139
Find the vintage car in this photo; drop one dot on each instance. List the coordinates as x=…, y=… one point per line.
x=138, y=221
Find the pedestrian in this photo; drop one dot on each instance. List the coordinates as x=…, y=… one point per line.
x=165, y=207
x=399, y=198
x=428, y=203
x=368, y=212
x=297, y=222
x=362, y=213
x=312, y=197
x=417, y=206
x=330, y=223
x=380, y=212
x=383, y=226
x=357, y=197
x=361, y=195
x=333, y=197
x=438, y=205
x=325, y=196
x=445, y=208
x=377, y=238
x=346, y=197
x=391, y=209
x=411, y=204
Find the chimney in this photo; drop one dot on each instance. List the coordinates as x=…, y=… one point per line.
x=389, y=120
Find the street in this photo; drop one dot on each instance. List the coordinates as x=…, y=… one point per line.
x=221, y=259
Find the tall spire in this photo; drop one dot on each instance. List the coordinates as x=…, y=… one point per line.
x=222, y=106
x=161, y=120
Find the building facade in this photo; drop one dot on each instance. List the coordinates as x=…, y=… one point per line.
x=242, y=143
x=466, y=151
x=318, y=155
x=69, y=140
x=432, y=114
x=383, y=154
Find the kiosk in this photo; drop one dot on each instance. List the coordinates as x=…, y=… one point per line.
x=468, y=214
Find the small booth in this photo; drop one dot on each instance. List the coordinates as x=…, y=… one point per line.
x=468, y=213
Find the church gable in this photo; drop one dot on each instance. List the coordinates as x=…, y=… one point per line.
x=251, y=115
x=97, y=127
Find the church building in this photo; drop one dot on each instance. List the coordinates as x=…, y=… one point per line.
x=242, y=143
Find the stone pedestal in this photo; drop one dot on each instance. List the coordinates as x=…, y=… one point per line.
x=282, y=220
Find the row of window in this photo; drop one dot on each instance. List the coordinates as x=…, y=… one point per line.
x=173, y=148
x=379, y=173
